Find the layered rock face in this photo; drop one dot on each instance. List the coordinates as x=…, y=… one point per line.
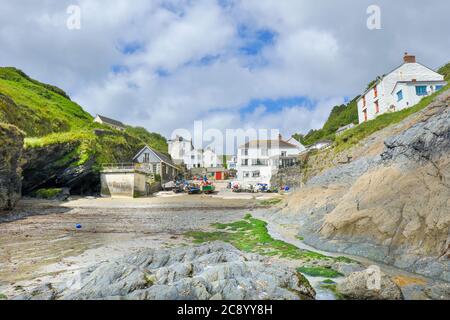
x=393, y=207
x=212, y=271
x=11, y=144
x=56, y=166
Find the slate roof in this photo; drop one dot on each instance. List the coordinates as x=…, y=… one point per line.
x=111, y=121
x=163, y=157
x=268, y=144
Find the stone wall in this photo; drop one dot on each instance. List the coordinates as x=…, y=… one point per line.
x=11, y=145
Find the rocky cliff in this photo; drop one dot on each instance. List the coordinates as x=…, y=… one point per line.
x=11, y=142
x=63, y=146
x=390, y=204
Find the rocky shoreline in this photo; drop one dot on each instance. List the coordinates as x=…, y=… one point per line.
x=390, y=207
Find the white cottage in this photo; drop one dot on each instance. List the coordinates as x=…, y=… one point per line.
x=211, y=159
x=258, y=160
x=403, y=87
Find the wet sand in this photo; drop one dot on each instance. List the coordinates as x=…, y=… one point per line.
x=39, y=239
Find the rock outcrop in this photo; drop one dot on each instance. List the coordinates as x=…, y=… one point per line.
x=57, y=166
x=364, y=286
x=391, y=207
x=11, y=144
x=212, y=271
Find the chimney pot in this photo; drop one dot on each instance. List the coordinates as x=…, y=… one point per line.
x=407, y=58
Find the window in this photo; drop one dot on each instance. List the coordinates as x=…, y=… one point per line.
x=377, y=107
x=260, y=162
x=146, y=157
x=439, y=87
x=283, y=153
x=400, y=95
x=245, y=162
x=256, y=174
x=421, y=90
x=364, y=101
x=246, y=174
x=244, y=152
x=365, y=115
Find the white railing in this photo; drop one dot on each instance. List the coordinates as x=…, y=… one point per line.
x=114, y=167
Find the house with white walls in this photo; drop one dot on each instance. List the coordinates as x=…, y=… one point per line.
x=297, y=143
x=211, y=159
x=182, y=151
x=259, y=160
x=401, y=88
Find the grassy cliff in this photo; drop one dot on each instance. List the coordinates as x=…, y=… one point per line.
x=340, y=116
x=59, y=132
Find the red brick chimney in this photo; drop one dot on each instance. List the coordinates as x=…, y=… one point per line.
x=407, y=58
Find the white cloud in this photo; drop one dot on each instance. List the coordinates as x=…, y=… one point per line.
x=321, y=50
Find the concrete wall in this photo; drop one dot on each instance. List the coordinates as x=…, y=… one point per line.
x=124, y=184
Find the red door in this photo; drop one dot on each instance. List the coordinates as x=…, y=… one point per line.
x=218, y=175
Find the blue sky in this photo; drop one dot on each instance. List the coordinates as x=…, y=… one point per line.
x=164, y=64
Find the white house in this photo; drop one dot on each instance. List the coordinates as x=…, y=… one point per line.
x=115, y=124
x=403, y=87
x=211, y=159
x=179, y=147
x=258, y=160
x=182, y=151
x=297, y=143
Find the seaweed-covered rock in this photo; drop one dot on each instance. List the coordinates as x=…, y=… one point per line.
x=211, y=271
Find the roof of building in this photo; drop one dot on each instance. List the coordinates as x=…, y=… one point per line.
x=269, y=144
x=322, y=142
x=179, y=138
x=161, y=156
x=111, y=121
x=349, y=126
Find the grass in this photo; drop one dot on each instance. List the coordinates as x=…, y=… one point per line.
x=251, y=235
x=320, y=272
x=270, y=202
x=353, y=136
x=50, y=193
x=3, y=297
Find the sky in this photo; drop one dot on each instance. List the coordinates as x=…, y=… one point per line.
x=164, y=64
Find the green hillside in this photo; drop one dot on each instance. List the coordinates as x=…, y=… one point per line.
x=340, y=116
x=60, y=133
